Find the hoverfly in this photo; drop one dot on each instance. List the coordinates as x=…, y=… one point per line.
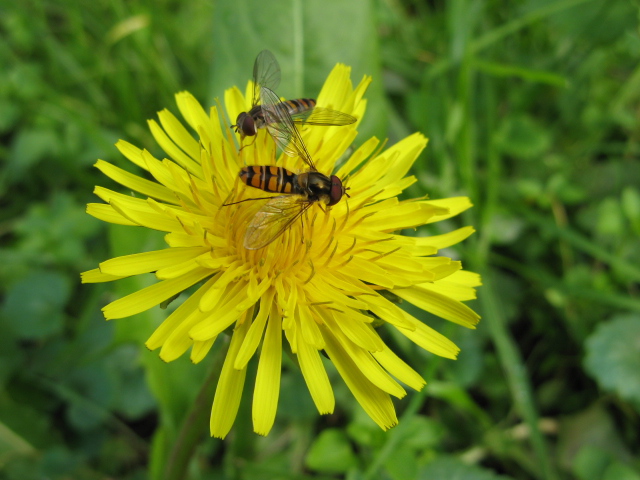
x=299, y=192
x=279, y=117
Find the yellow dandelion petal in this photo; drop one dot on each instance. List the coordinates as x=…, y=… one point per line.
x=311, y=333
x=267, y=391
x=454, y=205
x=108, y=214
x=200, y=349
x=229, y=390
x=133, y=153
x=235, y=103
x=172, y=149
x=440, y=305
x=252, y=340
x=138, y=263
x=222, y=316
x=326, y=280
x=359, y=156
x=180, y=135
x=194, y=114
x=375, y=402
x=136, y=183
x=96, y=276
x=178, y=316
x=428, y=338
x=153, y=295
x=364, y=361
x=178, y=341
x=143, y=215
x=399, y=369
x=315, y=375
x=356, y=326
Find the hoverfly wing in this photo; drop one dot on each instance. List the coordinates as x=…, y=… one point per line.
x=322, y=116
x=281, y=127
x=273, y=219
x=266, y=73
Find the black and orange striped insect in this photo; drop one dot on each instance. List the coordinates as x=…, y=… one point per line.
x=299, y=191
x=280, y=118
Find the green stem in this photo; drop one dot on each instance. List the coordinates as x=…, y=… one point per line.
x=192, y=429
x=516, y=374
x=397, y=434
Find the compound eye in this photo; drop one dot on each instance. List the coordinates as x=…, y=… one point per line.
x=337, y=190
x=246, y=124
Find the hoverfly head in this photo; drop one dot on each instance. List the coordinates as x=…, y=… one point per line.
x=245, y=125
x=336, y=192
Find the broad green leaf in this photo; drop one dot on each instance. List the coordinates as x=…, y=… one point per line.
x=331, y=452
x=308, y=38
x=29, y=147
x=33, y=306
x=620, y=471
x=422, y=433
x=522, y=136
x=402, y=465
x=588, y=440
x=450, y=467
x=590, y=463
x=613, y=356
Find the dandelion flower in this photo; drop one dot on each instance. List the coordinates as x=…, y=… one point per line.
x=322, y=282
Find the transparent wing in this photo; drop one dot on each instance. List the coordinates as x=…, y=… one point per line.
x=266, y=73
x=281, y=127
x=273, y=219
x=323, y=117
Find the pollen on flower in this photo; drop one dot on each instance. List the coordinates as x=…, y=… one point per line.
x=318, y=280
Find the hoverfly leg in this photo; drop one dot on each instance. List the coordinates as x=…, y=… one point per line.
x=246, y=200
x=248, y=144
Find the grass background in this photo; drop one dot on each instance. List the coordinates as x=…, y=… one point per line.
x=532, y=110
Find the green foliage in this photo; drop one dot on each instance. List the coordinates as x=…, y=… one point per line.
x=531, y=110
x=613, y=356
x=331, y=452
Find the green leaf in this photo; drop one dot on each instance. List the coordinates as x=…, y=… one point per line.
x=522, y=136
x=450, y=468
x=422, y=432
x=12, y=444
x=132, y=397
x=590, y=463
x=588, y=440
x=613, y=356
x=402, y=465
x=307, y=49
x=33, y=306
x=9, y=114
x=55, y=232
x=631, y=207
x=610, y=220
x=331, y=452
x=29, y=147
x=620, y=471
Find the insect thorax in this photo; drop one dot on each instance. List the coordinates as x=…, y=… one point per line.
x=316, y=186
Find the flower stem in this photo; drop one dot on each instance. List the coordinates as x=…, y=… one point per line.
x=192, y=430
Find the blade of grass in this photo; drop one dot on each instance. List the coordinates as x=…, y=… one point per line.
x=503, y=31
x=581, y=243
x=516, y=375
x=504, y=70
